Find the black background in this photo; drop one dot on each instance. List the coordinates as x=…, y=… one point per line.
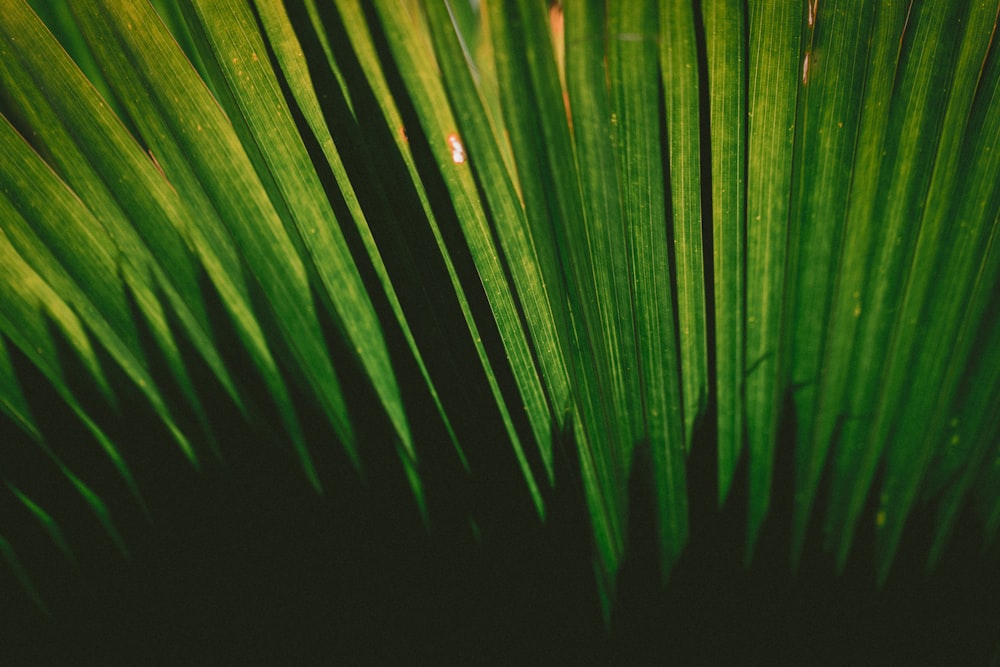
x=246, y=562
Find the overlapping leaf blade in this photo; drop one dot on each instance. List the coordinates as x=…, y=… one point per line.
x=828, y=124
x=92, y=236
x=517, y=244
x=416, y=60
x=189, y=134
x=84, y=249
x=914, y=128
x=828, y=412
x=282, y=39
x=635, y=90
x=948, y=259
x=591, y=118
x=536, y=120
x=38, y=321
x=229, y=34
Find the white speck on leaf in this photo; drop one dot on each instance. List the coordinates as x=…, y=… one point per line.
x=457, y=149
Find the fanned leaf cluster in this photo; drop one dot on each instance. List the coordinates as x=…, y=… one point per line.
x=774, y=217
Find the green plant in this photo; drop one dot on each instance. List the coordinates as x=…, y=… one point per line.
x=664, y=212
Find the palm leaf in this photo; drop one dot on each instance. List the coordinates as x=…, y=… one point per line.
x=660, y=230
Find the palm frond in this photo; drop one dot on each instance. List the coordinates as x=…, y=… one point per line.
x=656, y=228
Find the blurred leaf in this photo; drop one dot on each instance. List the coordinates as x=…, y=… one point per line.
x=12, y=400
x=915, y=125
x=829, y=409
x=828, y=125
x=48, y=523
x=15, y=565
x=947, y=263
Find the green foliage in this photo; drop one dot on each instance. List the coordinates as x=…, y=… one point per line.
x=778, y=218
